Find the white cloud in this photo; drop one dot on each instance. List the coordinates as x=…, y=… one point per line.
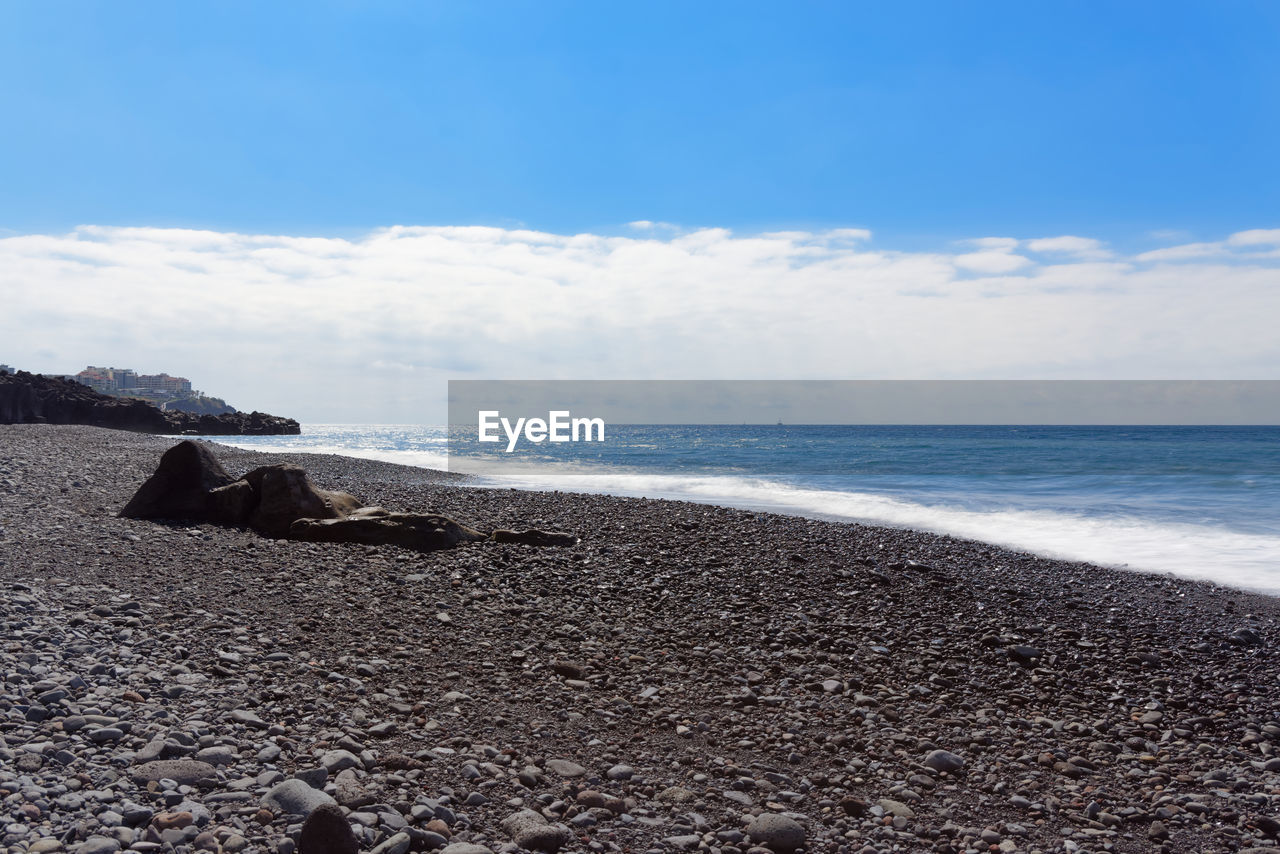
x=1252, y=245
x=849, y=234
x=650, y=225
x=1169, y=234
x=1004, y=244
x=1085, y=248
x=1256, y=237
x=991, y=262
x=1184, y=252
x=368, y=329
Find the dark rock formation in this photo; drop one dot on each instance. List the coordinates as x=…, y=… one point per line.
x=34, y=399
x=200, y=405
x=326, y=831
x=375, y=527
x=284, y=494
x=534, y=537
x=191, y=484
x=181, y=487
x=279, y=501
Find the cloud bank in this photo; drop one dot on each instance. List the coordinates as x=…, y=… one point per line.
x=369, y=329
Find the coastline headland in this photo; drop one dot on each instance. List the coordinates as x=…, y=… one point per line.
x=27, y=398
x=685, y=678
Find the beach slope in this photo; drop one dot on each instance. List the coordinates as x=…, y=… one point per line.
x=681, y=672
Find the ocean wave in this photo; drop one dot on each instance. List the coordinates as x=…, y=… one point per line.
x=1246, y=560
x=1104, y=521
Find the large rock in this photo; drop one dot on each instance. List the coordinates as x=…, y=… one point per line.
x=280, y=501
x=376, y=527
x=190, y=484
x=327, y=831
x=231, y=504
x=180, y=487
x=284, y=495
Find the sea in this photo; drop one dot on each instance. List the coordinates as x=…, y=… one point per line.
x=1197, y=502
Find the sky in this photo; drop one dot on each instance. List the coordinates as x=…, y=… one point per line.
x=327, y=210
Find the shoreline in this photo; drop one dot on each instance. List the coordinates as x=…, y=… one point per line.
x=737, y=662
x=1242, y=559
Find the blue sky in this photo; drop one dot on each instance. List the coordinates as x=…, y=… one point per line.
x=328, y=210
x=923, y=121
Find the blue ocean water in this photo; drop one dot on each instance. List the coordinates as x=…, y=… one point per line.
x=1200, y=502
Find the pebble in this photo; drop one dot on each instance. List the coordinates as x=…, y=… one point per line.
x=565, y=768
x=944, y=761
x=742, y=697
x=294, y=797
x=532, y=831
x=778, y=833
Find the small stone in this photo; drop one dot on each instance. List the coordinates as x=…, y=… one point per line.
x=676, y=795
x=620, y=772
x=294, y=797
x=565, y=768
x=569, y=669
x=249, y=719
x=897, y=809
x=105, y=734
x=531, y=831
x=855, y=807
x=184, y=772
x=98, y=845
x=944, y=761
x=205, y=841
x=397, y=844
x=778, y=833
x=1245, y=636
x=166, y=820
x=218, y=755
x=339, y=760
x=1025, y=655
x=313, y=777
x=349, y=792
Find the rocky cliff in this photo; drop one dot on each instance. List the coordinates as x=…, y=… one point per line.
x=34, y=399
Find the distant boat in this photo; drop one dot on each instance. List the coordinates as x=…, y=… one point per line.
x=779, y=422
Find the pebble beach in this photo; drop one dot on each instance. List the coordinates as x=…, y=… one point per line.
x=686, y=678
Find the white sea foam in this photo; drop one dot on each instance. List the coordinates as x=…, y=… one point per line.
x=1249, y=561
x=1245, y=560
x=421, y=459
